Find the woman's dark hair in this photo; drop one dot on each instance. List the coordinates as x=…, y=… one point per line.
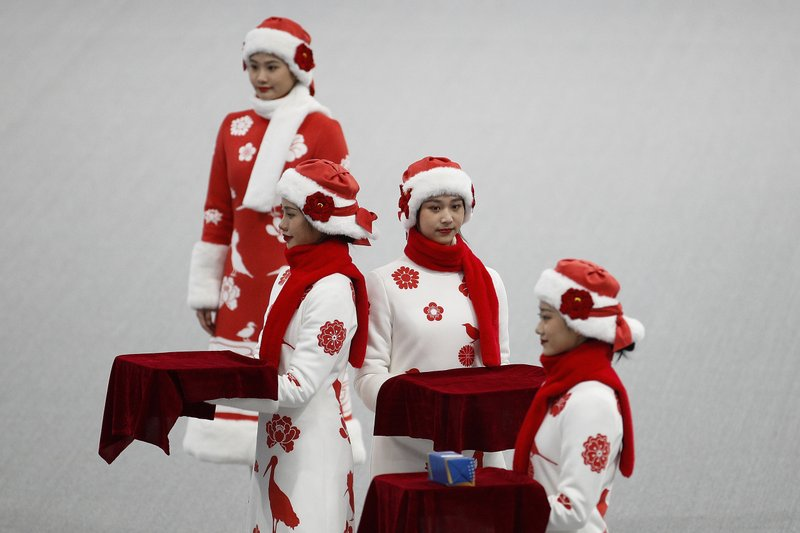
x=623, y=353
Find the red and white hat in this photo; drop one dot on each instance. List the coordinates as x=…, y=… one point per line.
x=429, y=177
x=285, y=39
x=326, y=193
x=585, y=295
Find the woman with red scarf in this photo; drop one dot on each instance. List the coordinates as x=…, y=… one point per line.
x=240, y=253
x=435, y=308
x=317, y=321
x=578, y=431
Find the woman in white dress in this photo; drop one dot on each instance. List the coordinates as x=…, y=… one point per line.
x=578, y=431
x=437, y=307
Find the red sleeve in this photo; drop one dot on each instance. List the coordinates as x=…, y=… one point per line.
x=328, y=137
x=218, y=212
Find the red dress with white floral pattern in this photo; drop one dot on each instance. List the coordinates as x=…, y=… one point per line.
x=245, y=247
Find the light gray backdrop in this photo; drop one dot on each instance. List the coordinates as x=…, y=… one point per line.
x=658, y=138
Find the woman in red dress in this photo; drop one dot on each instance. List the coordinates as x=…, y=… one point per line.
x=235, y=263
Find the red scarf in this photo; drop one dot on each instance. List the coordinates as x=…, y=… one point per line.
x=459, y=258
x=590, y=361
x=309, y=263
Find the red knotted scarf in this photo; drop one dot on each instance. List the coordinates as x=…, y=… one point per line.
x=590, y=361
x=309, y=263
x=459, y=258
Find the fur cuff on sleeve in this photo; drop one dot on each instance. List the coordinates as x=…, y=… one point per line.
x=205, y=274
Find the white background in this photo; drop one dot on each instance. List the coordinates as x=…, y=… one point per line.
x=657, y=138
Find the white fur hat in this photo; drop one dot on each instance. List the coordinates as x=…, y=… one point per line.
x=285, y=39
x=585, y=295
x=429, y=177
x=326, y=193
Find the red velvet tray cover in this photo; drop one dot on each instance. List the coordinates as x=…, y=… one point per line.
x=459, y=409
x=148, y=392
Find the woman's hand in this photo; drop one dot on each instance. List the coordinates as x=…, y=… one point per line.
x=207, y=319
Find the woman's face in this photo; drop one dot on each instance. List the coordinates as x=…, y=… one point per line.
x=270, y=76
x=554, y=334
x=440, y=218
x=296, y=230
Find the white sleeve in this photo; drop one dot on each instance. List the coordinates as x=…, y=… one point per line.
x=375, y=370
x=205, y=274
x=502, y=301
x=591, y=438
x=327, y=312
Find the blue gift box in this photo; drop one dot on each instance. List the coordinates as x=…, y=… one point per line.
x=451, y=469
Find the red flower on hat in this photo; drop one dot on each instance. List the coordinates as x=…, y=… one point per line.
x=473, y=196
x=596, y=451
x=304, y=57
x=332, y=336
x=576, y=304
x=319, y=206
x=405, y=197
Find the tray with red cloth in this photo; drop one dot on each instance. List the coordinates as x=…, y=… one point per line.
x=459, y=409
x=501, y=501
x=148, y=392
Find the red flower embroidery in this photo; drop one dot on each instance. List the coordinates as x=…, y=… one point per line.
x=304, y=57
x=281, y=431
x=433, y=311
x=284, y=276
x=255, y=466
x=576, y=304
x=463, y=288
x=319, y=206
x=402, y=203
x=596, y=451
x=331, y=337
x=473, y=196
x=559, y=404
x=563, y=500
x=406, y=278
x=466, y=355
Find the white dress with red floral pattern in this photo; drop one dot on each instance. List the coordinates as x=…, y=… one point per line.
x=303, y=474
x=236, y=262
x=420, y=319
x=576, y=454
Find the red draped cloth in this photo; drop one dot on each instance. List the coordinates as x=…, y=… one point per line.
x=459, y=409
x=148, y=392
x=502, y=501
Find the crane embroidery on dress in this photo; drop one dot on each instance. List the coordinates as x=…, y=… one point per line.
x=280, y=506
x=236, y=258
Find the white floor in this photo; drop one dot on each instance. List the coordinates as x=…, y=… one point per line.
x=658, y=138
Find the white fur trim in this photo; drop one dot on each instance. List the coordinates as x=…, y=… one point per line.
x=436, y=182
x=222, y=441
x=271, y=156
x=278, y=43
x=552, y=285
x=205, y=274
x=356, y=441
x=295, y=187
